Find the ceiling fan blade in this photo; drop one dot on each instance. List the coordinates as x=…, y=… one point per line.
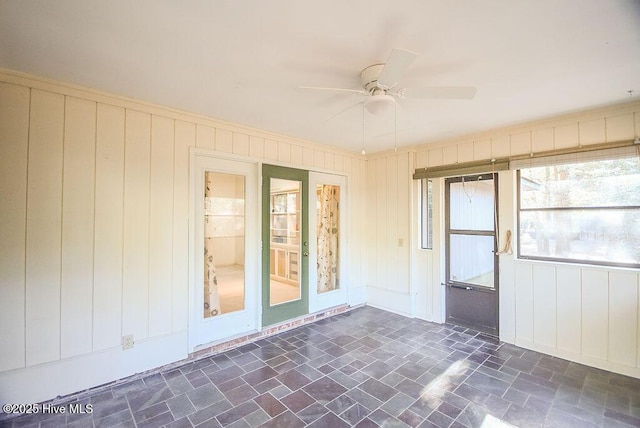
x=397, y=63
x=442, y=92
x=355, y=91
x=341, y=111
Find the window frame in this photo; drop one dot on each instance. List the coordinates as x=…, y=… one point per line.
x=426, y=213
x=519, y=210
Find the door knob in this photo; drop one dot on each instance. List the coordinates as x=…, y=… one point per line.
x=306, y=254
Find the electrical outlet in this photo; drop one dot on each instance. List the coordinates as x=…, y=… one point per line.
x=127, y=341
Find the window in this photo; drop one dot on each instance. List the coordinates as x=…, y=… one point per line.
x=587, y=212
x=426, y=214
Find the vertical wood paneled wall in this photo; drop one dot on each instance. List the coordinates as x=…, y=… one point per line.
x=389, y=238
x=580, y=313
x=593, y=127
x=586, y=314
x=94, y=217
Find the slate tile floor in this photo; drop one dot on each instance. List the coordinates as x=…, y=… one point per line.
x=368, y=368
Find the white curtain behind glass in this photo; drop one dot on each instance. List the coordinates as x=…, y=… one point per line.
x=211, y=296
x=328, y=234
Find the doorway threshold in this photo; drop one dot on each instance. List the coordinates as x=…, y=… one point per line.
x=213, y=348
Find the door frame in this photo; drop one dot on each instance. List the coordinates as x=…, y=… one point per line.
x=203, y=331
x=495, y=291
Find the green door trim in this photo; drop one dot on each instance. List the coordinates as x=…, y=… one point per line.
x=289, y=310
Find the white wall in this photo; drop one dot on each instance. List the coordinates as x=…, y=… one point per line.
x=388, y=240
x=94, y=230
x=583, y=313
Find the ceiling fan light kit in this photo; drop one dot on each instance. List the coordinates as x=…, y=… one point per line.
x=378, y=104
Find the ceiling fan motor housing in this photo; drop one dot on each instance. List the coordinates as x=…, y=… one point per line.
x=369, y=77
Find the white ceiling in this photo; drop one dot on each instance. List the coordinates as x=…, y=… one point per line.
x=243, y=61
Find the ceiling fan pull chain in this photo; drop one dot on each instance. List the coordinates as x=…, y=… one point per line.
x=363, y=152
x=395, y=127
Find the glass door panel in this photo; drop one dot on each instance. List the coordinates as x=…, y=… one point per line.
x=473, y=203
x=224, y=235
x=328, y=237
x=284, y=283
x=472, y=259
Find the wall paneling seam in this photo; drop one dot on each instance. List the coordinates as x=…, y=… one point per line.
x=26, y=215
x=93, y=266
x=64, y=134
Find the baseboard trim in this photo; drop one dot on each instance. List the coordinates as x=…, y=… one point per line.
x=12, y=384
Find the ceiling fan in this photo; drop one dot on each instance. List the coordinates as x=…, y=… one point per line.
x=379, y=85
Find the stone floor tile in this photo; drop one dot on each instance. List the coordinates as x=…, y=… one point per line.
x=209, y=412
x=180, y=423
x=378, y=389
x=329, y=420
x=297, y=401
x=204, y=396
x=364, y=368
x=260, y=375
x=384, y=419
x=397, y=404
x=293, y=379
x=240, y=394
x=179, y=385
x=270, y=404
x=439, y=419
x=121, y=418
x=286, y=419
x=236, y=413
x=312, y=413
x=355, y=414
x=324, y=389
x=516, y=397
x=487, y=384
x=156, y=421
x=621, y=417
x=367, y=400
x=257, y=418
x=345, y=380
x=180, y=406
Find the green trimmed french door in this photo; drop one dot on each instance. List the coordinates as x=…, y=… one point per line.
x=285, y=244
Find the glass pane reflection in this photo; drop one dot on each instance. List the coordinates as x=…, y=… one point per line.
x=285, y=231
x=224, y=233
x=472, y=259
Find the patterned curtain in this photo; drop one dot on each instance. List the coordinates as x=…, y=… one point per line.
x=328, y=226
x=211, y=297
